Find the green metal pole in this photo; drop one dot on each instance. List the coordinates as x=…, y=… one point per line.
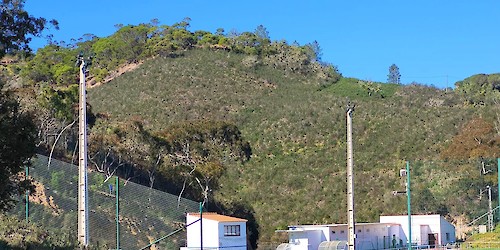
x=117, y=183
x=201, y=225
x=498, y=180
x=27, y=196
x=408, y=193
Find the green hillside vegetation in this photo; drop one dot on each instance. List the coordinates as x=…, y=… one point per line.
x=480, y=89
x=257, y=127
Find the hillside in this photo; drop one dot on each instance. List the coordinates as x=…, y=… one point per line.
x=256, y=128
x=296, y=129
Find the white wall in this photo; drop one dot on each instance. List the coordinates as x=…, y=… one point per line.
x=447, y=227
x=213, y=235
x=299, y=240
x=375, y=235
x=368, y=236
x=210, y=233
x=233, y=242
x=422, y=226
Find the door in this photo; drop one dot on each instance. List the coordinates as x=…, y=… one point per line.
x=433, y=239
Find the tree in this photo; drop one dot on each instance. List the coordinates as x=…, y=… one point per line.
x=17, y=129
x=262, y=33
x=16, y=26
x=477, y=138
x=18, y=145
x=394, y=76
x=313, y=50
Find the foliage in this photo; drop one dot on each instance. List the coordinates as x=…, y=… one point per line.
x=355, y=89
x=17, y=140
x=133, y=43
x=52, y=64
x=200, y=101
x=124, y=46
x=480, y=89
x=17, y=234
x=62, y=101
x=189, y=154
x=16, y=27
x=477, y=138
x=394, y=76
x=314, y=51
x=297, y=137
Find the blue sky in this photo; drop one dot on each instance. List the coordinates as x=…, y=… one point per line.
x=434, y=42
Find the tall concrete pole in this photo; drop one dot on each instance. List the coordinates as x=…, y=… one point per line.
x=490, y=211
x=350, y=182
x=83, y=229
x=408, y=195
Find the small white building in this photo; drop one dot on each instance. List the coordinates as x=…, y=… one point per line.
x=390, y=232
x=310, y=237
x=219, y=232
x=431, y=229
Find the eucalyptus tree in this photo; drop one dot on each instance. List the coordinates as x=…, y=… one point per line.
x=17, y=27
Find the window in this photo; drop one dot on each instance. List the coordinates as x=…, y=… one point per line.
x=447, y=236
x=231, y=230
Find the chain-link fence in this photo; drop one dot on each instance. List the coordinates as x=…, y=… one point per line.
x=145, y=214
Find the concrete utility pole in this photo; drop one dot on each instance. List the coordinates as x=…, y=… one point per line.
x=83, y=221
x=350, y=181
x=490, y=211
x=408, y=196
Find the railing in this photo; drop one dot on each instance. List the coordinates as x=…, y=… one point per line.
x=481, y=245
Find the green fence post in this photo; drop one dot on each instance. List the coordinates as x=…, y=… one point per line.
x=27, y=196
x=117, y=183
x=201, y=225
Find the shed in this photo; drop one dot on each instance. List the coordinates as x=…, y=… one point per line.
x=219, y=232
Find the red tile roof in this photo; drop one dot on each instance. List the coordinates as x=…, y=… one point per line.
x=218, y=217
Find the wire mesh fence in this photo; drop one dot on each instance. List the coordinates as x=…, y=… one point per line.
x=145, y=214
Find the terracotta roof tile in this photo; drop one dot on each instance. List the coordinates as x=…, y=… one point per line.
x=218, y=217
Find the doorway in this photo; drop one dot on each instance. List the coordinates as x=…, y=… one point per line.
x=433, y=239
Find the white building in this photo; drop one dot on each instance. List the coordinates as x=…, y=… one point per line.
x=431, y=230
x=391, y=232
x=219, y=232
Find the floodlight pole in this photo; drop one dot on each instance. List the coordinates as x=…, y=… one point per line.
x=83, y=229
x=350, y=181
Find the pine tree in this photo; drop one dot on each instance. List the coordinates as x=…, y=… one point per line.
x=394, y=76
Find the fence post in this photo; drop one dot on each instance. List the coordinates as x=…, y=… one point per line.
x=117, y=183
x=27, y=196
x=201, y=225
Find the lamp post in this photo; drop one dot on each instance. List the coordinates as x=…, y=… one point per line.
x=406, y=173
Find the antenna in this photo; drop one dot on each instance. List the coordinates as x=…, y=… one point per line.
x=83, y=220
